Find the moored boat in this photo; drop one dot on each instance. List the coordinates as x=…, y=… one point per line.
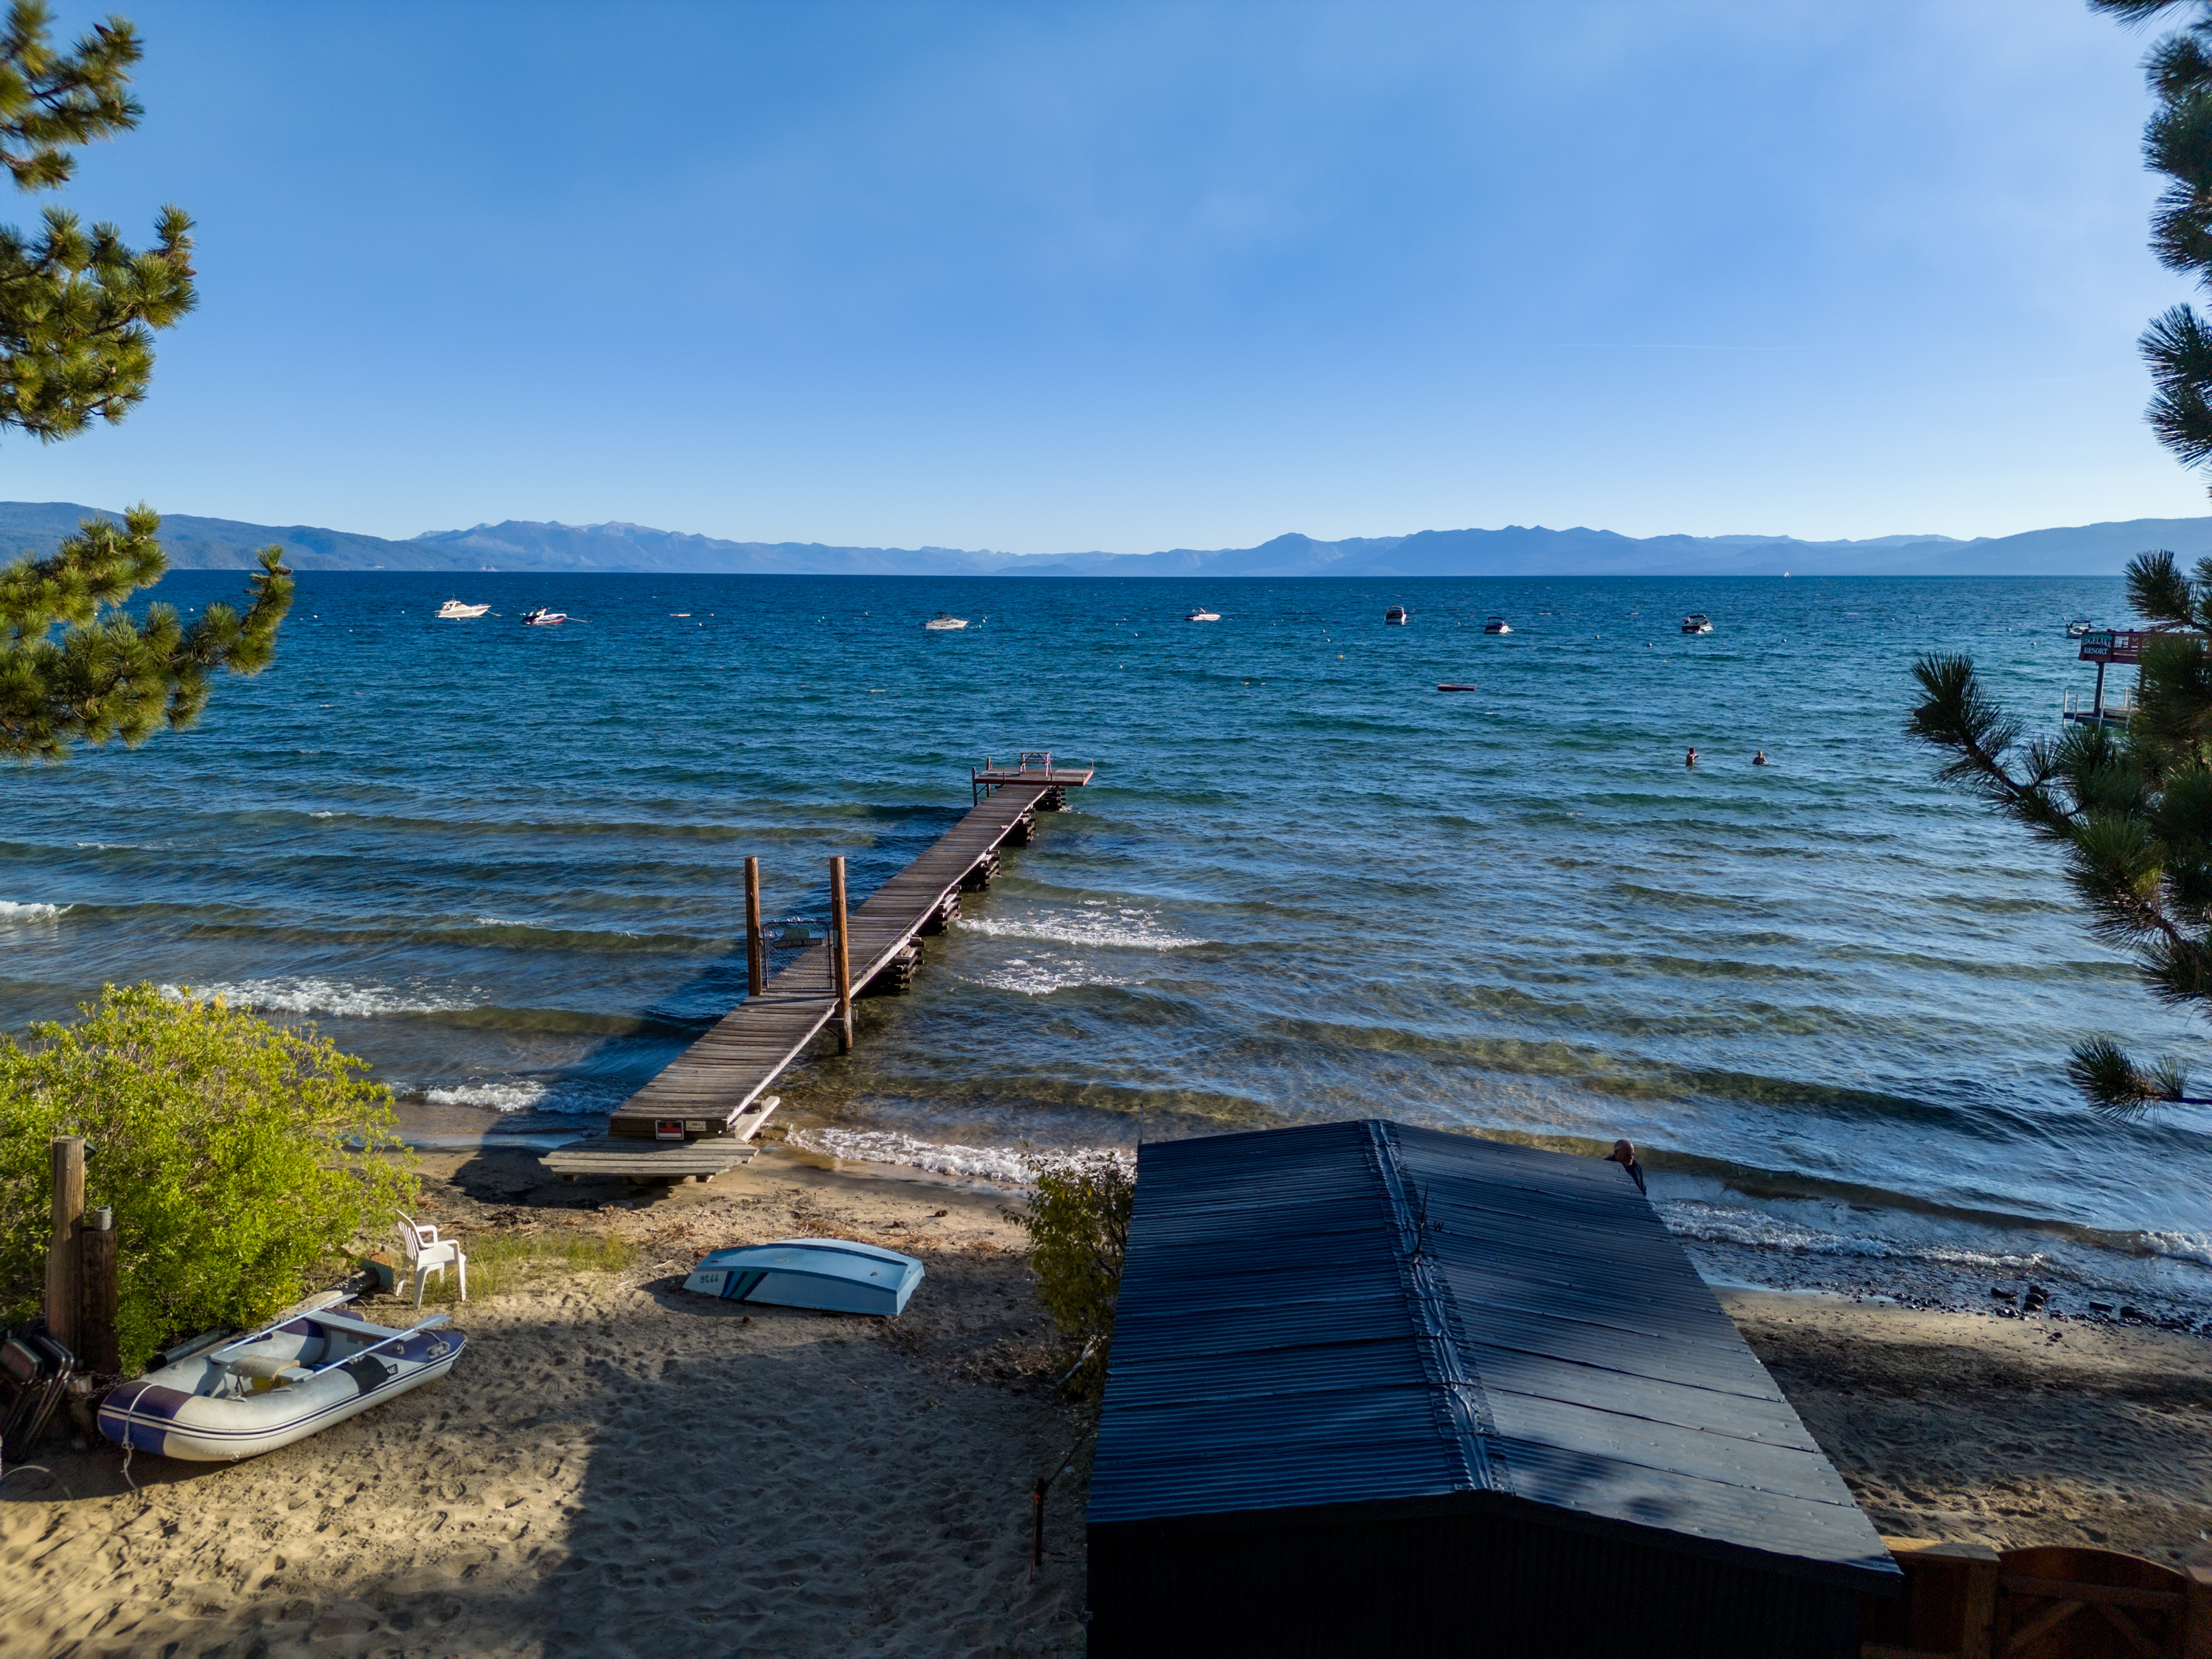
x=2078, y=627
x=1201, y=614
x=1396, y=614
x=1498, y=625
x=542, y=617
x=454, y=611
x=245, y=1395
x=1697, y=623
x=942, y=624
x=835, y=1275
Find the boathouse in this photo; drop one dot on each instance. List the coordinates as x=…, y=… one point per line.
x=1383, y=1391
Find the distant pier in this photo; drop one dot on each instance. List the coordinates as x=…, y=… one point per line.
x=700, y=1115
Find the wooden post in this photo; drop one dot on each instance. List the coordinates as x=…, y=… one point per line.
x=96, y=1340
x=841, y=958
x=61, y=1293
x=755, y=946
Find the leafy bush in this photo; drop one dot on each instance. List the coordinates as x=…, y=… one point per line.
x=1078, y=1221
x=241, y=1158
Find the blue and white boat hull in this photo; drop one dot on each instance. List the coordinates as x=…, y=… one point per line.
x=260, y=1392
x=834, y=1275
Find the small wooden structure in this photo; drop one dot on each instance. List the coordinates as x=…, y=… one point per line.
x=696, y=1118
x=1969, y=1602
x=1377, y=1390
x=2104, y=647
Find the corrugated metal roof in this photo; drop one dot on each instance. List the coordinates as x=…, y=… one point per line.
x=1368, y=1313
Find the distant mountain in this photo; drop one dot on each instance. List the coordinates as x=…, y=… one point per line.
x=2097, y=549
x=521, y=545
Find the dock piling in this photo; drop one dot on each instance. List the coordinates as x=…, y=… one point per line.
x=755, y=943
x=63, y=1293
x=843, y=959
x=97, y=1289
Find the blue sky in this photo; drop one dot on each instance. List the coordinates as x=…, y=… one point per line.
x=1063, y=276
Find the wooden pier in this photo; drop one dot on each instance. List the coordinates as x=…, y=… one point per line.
x=699, y=1116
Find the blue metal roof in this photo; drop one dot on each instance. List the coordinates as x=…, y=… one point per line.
x=1367, y=1313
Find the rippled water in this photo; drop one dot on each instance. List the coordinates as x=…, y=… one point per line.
x=504, y=865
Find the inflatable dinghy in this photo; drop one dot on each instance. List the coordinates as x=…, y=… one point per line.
x=253, y=1394
x=834, y=1274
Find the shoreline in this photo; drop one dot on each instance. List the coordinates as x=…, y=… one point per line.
x=616, y=1468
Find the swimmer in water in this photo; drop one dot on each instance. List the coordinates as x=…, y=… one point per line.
x=1759, y=759
x=1691, y=759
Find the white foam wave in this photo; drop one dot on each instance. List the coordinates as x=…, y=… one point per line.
x=1726, y=1224
x=12, y=913
x=2181, y=1247
x=1014, y=1165
x=1041, y=975
x=325, y=815
x=514, y=1095
x=323, y=996
x=1123, y=929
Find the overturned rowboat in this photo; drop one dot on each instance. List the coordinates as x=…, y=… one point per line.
x=835, y=1275
x=242, y=1397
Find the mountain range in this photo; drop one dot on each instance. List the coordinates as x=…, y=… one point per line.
x=2096, y=550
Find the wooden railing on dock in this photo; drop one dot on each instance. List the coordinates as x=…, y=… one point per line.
x=713, y=1098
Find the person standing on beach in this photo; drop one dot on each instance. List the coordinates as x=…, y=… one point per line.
x=1625, y=1155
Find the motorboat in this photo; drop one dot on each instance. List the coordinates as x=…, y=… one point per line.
x=1397, y=615
x=2078, y=627
x=454, y=611
x=1498, y=625
x=1203, y=615
x=542, y=617
x=835, y=1275
x=1697, y=623
x=941, y=623
x=226, y=1398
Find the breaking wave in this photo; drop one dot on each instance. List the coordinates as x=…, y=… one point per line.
x=1015, y=1166
x=323, y=996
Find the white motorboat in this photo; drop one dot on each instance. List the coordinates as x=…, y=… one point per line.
x=542, y=617
x=237, y=1397
x=942, y=624
x=1397, y=615
x=2078, y=627
x=1697, y=623
x=454, y=611
x=834, y=1274
x=1203, y=615
x=1498, y=625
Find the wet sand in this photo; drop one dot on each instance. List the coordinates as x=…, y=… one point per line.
x=618, y=1469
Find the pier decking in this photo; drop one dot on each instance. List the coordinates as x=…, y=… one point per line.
x=699, y=1116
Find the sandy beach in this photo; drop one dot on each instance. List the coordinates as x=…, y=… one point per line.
x=619, y=1468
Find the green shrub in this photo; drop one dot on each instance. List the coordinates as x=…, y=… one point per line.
x=241, y=1158
x=1078, y=1221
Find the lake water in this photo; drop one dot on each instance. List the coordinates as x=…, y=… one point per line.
x=1831, y=999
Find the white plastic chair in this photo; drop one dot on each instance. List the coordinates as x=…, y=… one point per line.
x=426, y=1254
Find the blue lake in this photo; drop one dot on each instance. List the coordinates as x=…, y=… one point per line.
x=1832, y=999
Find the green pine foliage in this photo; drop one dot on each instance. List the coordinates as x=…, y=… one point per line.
x=2178, y=143
x=78, y=310
x=241, y=1159
x=1078, y=1220
x=2130, y=814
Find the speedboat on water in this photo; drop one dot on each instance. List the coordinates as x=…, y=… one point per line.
x=233, y=1398
x=1697, y=623
x=542, y=617
x=942, y=624
x=1396, y=614
x=1498, y=625
x=454, y=611
x=2078, y=627
x=1203, y=615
